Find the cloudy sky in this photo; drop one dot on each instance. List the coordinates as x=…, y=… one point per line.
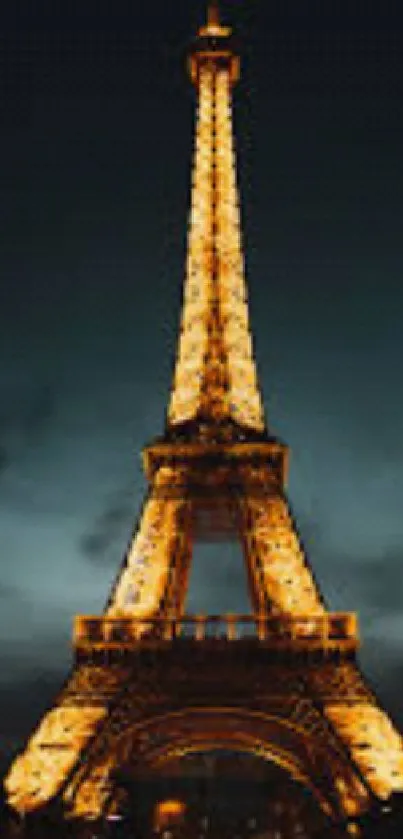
x=97, y=120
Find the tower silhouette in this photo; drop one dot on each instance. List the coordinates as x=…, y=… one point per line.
x=151, y=683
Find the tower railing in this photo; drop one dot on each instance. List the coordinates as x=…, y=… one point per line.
x=331, y=631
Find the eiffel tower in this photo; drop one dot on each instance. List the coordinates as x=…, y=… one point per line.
x=150, y=683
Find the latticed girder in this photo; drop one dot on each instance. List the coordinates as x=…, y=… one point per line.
x=215, y=373
x=372, y=741
x=283, y=580
x=61, y=738
x=317, y=718
x=188, y=696
x=152, y=587
x=154, y=578
x=157, y=558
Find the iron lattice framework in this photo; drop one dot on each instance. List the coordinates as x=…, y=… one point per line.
x=150, y=683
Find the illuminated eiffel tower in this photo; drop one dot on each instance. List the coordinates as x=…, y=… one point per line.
x=149, y=682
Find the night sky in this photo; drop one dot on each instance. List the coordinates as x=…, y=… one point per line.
x=95, y=145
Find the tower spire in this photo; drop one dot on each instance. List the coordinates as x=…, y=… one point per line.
x=213, y=14
x=215, y=376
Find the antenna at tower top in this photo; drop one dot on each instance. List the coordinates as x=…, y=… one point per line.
x=213, y=15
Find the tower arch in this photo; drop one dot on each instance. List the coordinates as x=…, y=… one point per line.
x=145, y=747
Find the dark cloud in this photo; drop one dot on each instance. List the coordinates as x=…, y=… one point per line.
x=28, y=408
x=370, y=583
x=382, y=665
x=9, y=591
x=373, y=580
x=4, y=459
x=39, y=411
x=111, y=528
x=380, y=582
x=95, y=546
x=25, y=416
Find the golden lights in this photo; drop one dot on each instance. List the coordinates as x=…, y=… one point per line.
x=376, y=747
x=38, y=773
x=145, y=577
x=278, y=559
x=193, y=339
x=215, y=275
x=168, y=812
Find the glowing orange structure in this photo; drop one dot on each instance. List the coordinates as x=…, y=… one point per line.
x=150, y=683
x=167, y=813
